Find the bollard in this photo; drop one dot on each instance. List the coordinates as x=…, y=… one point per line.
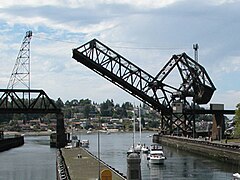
x=134, y=167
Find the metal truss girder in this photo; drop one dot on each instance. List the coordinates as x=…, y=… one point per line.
x=208, y=111
x=26, y=101
x=154, y=91
x=119, y=71
x=195, y=81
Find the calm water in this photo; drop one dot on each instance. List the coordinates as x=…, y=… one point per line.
x=179, y=164
x=36, y=160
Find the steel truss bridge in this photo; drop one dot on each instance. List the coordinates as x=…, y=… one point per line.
x=27, y=101
x=175, y=102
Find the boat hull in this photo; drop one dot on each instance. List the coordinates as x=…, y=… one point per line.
x=156, y=160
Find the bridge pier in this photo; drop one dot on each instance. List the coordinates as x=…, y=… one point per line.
x=218, y=127
x=61, y=139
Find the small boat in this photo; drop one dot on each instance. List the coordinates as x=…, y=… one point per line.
x=85, y=143
x=138, y=148
x=89, y=132
x=236, y=176
x=68, y=146
x=156, y=155
x=130, y=150
x=144, y=149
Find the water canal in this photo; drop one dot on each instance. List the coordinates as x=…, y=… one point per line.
x=36, y=160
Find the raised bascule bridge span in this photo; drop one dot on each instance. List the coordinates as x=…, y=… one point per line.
x=176, y=102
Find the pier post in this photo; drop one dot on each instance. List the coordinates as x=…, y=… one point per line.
x=134, y=167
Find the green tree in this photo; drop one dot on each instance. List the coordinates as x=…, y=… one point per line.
x=237, y=122
x=107, y=108
x=59, y=103
x=74, y=102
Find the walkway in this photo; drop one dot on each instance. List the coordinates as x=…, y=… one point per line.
x=82, y=165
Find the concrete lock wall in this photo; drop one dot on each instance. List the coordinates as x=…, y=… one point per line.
x=221, y=152
x=9, y=143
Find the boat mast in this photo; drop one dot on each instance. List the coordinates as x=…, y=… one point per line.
x=134, y=128
x=140, y=131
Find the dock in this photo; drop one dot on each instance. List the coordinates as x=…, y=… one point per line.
x=79, y=164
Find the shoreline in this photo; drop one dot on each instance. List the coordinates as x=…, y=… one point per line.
x=31, y=133
x=48, y=133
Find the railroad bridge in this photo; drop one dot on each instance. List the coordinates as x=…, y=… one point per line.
x=175, y=102
x=27, y=101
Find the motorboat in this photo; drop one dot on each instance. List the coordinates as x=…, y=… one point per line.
x=156, y=155
x=89, y=132
x=130, y=150
x=84, y=143
x=236, y=176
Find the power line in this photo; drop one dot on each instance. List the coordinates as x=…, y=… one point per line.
x=54, y=39
x=116, y=46
x=151, y=48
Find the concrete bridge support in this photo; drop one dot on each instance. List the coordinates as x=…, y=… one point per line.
x=218, y=127
x=61, y=139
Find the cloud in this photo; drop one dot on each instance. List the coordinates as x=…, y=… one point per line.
x=229, y=98
x=147, y=33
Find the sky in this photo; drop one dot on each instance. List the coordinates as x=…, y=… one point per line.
x=146, y=32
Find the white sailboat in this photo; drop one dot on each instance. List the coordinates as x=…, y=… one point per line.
x=132, y=148
x=139, y=147
x=142, y=147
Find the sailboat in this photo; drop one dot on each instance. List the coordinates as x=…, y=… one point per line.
x=141, y=147
x=138, y=147
x=132, y=148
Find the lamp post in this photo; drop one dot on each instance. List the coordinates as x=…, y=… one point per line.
x=99, y=169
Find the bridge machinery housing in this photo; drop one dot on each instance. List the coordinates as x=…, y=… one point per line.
x=176, y=102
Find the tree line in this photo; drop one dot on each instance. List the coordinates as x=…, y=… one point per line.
x=108, y=108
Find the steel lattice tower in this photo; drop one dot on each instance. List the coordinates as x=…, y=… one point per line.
x=21, y=70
